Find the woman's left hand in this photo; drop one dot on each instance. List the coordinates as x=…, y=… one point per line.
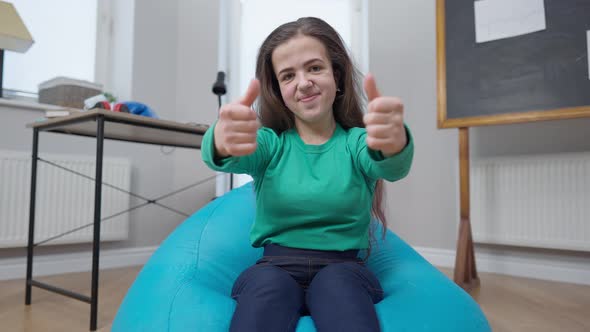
x=384, y=121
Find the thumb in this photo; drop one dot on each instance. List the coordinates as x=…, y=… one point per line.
x=251, y=93
x=371, y=87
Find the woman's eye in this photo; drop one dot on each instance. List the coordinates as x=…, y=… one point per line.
x=315, y=68
x=286, y=77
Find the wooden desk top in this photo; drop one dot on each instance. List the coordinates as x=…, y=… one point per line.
x=126, y=127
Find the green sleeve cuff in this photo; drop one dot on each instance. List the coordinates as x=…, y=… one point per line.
x=394, y=167
x=208, y=152
x=377, y=155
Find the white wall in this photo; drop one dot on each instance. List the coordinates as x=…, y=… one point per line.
x=402, y=52
x=196, y=68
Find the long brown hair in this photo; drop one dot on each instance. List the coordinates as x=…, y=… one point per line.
x=347, y=108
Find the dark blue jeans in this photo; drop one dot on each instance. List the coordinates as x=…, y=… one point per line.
x=333, y=287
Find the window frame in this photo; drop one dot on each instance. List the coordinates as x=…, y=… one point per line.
x=103, y=54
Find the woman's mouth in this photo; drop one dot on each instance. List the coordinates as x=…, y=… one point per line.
x=309, y=98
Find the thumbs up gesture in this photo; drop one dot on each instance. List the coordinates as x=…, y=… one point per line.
x=384, y=121
x=235, y=131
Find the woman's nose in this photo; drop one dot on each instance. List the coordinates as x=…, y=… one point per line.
x=304, y=83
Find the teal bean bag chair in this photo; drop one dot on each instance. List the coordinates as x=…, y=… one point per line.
x=186, y=284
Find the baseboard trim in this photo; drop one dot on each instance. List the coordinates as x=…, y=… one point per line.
x=535, y=268
x=15, y=268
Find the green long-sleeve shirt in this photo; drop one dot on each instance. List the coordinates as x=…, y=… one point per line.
x=312, y=196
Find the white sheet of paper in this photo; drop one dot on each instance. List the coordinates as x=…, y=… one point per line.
x=588, y=49
x=498, y=19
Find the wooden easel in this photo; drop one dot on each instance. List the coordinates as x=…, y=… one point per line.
x=465, y=269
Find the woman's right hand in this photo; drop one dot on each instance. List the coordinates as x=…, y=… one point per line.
x=235, y=131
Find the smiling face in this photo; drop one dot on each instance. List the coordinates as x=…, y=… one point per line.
x=306, y=80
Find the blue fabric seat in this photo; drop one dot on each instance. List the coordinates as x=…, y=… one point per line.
x=186, y=284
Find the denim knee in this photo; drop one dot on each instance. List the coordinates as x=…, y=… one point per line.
x=341, y=278
x=341, y=297
x=267, y=280
x=268, y=299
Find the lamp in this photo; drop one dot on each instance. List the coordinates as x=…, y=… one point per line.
x=14, y=35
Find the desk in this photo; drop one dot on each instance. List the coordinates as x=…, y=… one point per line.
x=101, y=124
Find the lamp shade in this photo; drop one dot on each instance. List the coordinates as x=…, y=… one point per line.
x=14, y=35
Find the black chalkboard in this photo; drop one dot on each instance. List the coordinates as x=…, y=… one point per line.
x=544, y=74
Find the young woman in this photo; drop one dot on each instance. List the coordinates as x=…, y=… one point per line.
x=317, y=165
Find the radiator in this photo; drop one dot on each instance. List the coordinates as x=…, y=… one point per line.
x=64, y=200
x=533, y=201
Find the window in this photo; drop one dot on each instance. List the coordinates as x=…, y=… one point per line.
x=69, y=40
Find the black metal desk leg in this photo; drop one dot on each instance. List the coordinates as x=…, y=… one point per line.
x=32, y=217
x=96, y=231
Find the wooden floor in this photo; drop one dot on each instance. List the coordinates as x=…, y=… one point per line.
x=50, y=312
x=510, y=304
x=521, y=304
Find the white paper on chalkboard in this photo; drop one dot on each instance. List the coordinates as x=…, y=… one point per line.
x=498, y=19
